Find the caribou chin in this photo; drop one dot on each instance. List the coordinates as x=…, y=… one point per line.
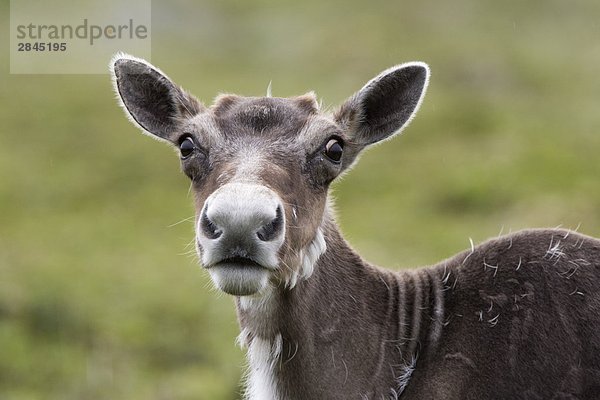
x=239, y=279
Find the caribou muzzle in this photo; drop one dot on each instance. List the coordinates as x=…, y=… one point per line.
x=239, y=232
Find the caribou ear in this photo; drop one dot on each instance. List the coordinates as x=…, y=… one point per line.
x=150, y=99
x=386, y=104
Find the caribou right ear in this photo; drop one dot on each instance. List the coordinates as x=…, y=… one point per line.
x=150, y=99
x=385, y=105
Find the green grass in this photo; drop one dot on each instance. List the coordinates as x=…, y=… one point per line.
x=100, y=294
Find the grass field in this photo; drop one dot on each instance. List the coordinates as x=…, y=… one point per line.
x=100, y=293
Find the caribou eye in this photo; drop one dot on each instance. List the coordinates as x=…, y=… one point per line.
x=334, y=149
x=187, y=147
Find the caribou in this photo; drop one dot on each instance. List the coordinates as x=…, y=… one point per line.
x=516, y=317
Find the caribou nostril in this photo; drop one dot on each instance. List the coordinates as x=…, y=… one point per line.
x=269, y=231
x=209, y=228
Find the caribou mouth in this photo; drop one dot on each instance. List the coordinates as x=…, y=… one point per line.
x=239, y=276
x=240, y=262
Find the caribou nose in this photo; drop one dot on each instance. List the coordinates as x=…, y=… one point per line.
x=254, y=224
x=242, y=216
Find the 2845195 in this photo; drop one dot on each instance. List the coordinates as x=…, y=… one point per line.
x=41, y=46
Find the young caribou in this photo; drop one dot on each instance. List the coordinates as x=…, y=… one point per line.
x=517, y=317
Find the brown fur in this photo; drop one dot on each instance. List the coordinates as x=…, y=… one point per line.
x=505, y=333
x=517, y=317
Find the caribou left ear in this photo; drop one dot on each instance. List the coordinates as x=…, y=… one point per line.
x=385, y=105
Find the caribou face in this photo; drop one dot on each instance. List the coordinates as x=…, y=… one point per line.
x=260, y=175
x=261, y=166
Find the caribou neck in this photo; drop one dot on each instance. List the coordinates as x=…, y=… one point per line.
x=344, y=314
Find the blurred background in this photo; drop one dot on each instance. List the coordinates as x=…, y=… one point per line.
x=100, y=293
